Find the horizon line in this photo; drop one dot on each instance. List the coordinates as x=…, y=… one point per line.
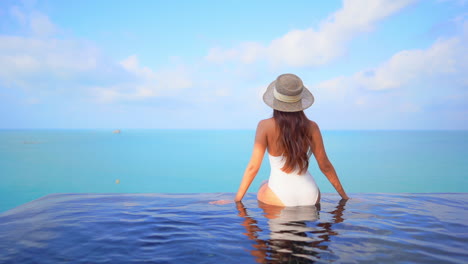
x=237, y=129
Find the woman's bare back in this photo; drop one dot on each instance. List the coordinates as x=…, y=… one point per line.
x=265, y=193
x=273, y=133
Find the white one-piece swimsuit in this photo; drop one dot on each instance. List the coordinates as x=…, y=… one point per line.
x=293, y=189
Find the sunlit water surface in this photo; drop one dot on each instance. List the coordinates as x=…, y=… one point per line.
x=185, y=228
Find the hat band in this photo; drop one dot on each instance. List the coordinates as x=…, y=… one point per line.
x=286, y=98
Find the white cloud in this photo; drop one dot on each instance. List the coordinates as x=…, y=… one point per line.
x=131, y=64
x=36, y=23
x=149, y=83
x=312, y=47
x=446, y=57
x=41, y=61
x=41, y=25
x=222, y=92
x=173, y=78
x=36, y=55
x=425, y=76
x=23, y=58
x=247, y=52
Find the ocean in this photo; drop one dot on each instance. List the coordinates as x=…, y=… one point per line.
x=35, y=163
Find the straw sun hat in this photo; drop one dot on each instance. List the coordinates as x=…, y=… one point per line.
x=288, y=94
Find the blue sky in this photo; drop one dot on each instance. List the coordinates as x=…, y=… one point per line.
x=380, y=64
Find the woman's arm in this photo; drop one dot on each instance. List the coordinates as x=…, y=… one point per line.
x=255, y=161
x=325, y=165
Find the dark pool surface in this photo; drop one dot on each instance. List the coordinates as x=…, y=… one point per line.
x=185, y=228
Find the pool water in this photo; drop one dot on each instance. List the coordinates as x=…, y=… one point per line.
x=185, y=228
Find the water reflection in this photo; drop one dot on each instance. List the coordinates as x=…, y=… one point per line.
x=295, y=233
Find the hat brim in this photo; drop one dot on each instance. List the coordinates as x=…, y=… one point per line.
x=307, y=99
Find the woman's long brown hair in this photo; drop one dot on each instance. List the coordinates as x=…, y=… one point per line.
x=294, y=139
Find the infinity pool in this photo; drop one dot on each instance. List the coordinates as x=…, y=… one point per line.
x=185, y=228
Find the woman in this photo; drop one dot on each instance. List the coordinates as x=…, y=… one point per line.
x=290, y=138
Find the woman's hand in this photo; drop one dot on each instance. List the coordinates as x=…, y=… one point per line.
x=221, y=202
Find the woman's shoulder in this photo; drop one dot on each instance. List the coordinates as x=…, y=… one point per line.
x=266, y=126
x=313, y=124
x=266, y=122
x=314, y=129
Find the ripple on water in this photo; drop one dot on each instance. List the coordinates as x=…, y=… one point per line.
x=168, y=228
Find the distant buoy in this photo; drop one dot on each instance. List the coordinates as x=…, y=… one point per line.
x=117, y=181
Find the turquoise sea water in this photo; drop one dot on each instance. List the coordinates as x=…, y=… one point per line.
x=35, y=163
